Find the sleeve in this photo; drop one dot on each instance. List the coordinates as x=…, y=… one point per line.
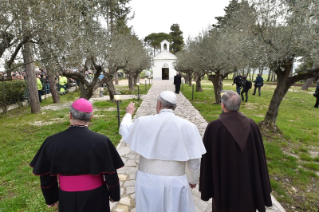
x=126, y=126
x=49, y=187
x=113, y=183
x=192, y=170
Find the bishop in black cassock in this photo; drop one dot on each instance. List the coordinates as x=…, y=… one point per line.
x=234, y=170
x=77, y=167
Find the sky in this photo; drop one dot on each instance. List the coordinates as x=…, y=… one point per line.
x=153, y=16
x=158, y=16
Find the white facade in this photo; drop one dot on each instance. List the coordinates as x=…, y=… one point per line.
x=163, y=61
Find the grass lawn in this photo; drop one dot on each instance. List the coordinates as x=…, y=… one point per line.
x=293, y=156
x=23, y=133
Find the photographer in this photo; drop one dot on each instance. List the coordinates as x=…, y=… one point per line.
x=258, y=83
x=238, y=81
x=316, y=94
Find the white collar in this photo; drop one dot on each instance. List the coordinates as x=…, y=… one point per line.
x=166, y=110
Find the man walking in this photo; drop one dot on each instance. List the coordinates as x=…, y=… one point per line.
x=258, y=83
x=177, y=82
x=85, y=163
x=234, y=170
x=238, y=81
x=246, y=87
x=317, y=95
x=168, y=145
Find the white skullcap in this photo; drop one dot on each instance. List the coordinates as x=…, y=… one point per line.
x=169, y=96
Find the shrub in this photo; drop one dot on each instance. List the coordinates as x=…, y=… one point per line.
x=12, y=92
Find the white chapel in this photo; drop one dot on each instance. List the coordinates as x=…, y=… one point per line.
x=163, y=68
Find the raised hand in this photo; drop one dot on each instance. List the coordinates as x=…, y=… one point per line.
x=130, y=108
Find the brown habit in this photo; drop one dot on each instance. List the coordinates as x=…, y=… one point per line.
x=234, y=170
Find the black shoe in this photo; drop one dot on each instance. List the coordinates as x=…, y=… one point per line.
x=315, y=107
x=246, y=101
x=253, y=94
x=242, y=99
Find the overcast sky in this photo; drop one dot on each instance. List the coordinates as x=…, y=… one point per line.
x=158, y=15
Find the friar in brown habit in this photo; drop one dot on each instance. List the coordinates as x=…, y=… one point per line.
x=234, y=170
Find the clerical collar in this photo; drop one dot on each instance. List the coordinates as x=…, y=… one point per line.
x=166, y=110
x=79, y=126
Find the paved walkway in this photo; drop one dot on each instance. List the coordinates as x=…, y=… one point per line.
x=127, y=174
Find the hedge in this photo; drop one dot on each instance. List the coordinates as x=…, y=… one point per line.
x=12, y=92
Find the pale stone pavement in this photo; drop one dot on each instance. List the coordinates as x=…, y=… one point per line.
x=127, y=173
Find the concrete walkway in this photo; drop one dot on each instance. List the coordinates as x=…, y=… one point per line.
x=127, y=174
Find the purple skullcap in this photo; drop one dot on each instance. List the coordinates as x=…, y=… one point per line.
x=83, y=105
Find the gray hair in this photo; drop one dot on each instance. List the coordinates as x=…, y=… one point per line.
x=231, y=100
x=79, y=115
x=166, y=104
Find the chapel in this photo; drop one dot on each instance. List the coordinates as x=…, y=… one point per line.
x=163, y=68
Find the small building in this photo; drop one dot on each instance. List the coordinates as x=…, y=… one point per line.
x=163, y=68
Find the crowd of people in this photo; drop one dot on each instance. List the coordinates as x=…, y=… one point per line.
x=243, y=85
x=78, y=167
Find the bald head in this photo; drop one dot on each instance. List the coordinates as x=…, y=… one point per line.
x=231, y=101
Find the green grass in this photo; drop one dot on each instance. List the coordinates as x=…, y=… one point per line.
x=21, y=137
x=290, y=163
x=124, y=90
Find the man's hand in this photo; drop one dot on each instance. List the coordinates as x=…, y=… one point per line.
x=192, y=186
x=130, y=108
x=55, y=205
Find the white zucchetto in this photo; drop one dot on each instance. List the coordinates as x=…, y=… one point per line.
x=169, y=96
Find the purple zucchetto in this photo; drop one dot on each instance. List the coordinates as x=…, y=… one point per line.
x=83, y=105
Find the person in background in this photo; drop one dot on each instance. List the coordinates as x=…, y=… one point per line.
x=317, y=95
x=177, y=82
x=258, y=83
x=234, y=170
x=246, y=86
x=40, y=87
x=238, y=80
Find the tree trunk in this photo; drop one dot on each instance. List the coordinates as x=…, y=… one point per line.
x=86, y=93
x=310, y=80
x=110, y=87
x=198, y=79
x=53, y=88
x=116, y=77
x=281, y=89
x=131, y=81
x=32, y=81
x=269, y=74
x=189, y=75
x=216, y=80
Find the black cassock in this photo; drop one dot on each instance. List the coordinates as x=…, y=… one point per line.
x=78, y=151
x=177, y=83
x=234, y=171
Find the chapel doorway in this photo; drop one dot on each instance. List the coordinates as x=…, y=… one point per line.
x=165, y=73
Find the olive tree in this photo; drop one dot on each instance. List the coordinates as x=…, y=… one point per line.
x=283, y=31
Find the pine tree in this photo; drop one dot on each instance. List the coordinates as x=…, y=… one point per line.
x=177, y=39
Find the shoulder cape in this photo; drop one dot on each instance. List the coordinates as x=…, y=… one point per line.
x=76, y=151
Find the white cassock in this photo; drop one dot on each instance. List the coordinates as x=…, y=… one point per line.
x=168, y=147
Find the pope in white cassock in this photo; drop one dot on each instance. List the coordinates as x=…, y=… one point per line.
x=168, y=147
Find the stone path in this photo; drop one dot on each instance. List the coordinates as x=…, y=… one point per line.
x=127, y=174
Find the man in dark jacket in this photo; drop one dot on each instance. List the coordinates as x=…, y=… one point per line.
x=238, y=80
x=177, y=82
x=258, y=83
x=317, y=97
x=234, y=170
x=85, y=163
x=245, y=89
